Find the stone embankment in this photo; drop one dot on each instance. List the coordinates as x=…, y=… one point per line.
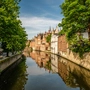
x=74, y=57
x=8, y=61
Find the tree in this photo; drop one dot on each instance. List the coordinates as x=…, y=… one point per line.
x=12, y=34
x=76, y=17
x=48, y=38
x=76, y=20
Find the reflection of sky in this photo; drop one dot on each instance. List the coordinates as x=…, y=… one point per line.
x=39, y=15
x=39, y=79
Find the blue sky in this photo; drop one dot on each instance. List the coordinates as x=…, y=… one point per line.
x=38, y=15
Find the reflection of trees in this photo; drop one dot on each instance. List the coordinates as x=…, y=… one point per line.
x=64, y=73
x=71, y=81
x=27, y=51
x=81, y=75
x=82, y=78
x=68, y=78
x=17, y=79
x=74, y=75
x=48, y=65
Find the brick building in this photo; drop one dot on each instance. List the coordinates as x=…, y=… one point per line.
x=39, y=42
x=58, y=43
x=62, y=44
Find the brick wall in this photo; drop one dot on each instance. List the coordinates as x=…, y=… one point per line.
x=62, y=43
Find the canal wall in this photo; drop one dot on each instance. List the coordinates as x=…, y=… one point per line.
x=74, y=57
x=5, y=63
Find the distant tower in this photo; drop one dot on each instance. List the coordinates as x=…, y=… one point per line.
x=53, y=32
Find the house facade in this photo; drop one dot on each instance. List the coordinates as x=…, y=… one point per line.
x=39, y=42
x=32, y=44
x=54, y=41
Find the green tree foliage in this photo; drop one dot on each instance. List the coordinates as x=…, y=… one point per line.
x=48, y=38
x=76, y=17
x=76, y=20
x=11, y=31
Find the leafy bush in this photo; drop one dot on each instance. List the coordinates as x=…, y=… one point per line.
x=48, y=38
x=80, y=46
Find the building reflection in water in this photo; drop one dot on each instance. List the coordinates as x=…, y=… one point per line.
x=65, y=74
x=54, y=63
x=42, y=59
x=72, y=74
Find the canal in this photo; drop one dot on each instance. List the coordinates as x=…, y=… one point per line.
x=43, y=71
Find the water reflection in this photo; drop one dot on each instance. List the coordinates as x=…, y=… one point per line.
x=54, y=63
x=43, y=71
x=77, y=76
x=73, y=75
x=15, y=77
x=42, y=59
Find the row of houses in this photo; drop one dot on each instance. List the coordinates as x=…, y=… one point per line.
x=58, y=42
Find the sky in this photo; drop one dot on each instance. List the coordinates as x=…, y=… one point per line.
x=38, y=16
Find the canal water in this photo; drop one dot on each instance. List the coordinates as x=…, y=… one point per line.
x=43, y=71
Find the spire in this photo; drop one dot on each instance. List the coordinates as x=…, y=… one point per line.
x=53, y=31
x=56, y=31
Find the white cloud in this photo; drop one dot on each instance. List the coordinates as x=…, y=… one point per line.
x=35, y=25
